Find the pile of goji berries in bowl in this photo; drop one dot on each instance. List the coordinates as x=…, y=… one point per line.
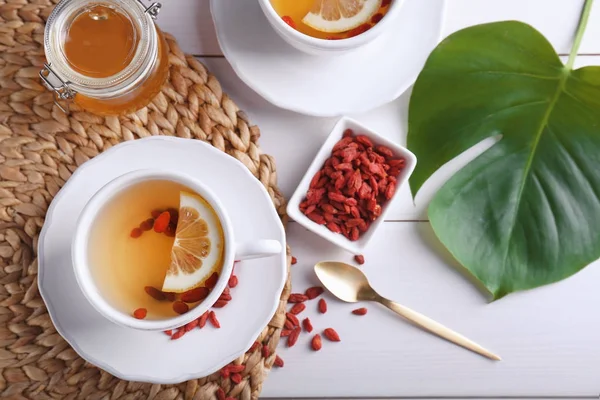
x=349, y=186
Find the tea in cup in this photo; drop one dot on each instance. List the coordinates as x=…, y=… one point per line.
x=154, y=250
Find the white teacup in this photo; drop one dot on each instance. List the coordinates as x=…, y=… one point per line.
x=233, y=251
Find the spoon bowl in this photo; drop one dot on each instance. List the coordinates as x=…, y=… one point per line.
x=345, y=282
x=351, y=285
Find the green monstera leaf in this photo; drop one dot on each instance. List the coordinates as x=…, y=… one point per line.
x=526, y=212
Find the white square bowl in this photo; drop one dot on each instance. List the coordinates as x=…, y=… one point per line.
x=293, y=208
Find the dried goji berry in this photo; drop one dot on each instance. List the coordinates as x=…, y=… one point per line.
x=225, y=372
x=389, y=191
x=333, y=227
x=360, y=311
x=322, y=182
x=371, y=204
x=180, y=307
x=288, y=324
x=322, y=306
x=298, y=308
x=331, y=335
x=191, y=325
x=314, y=292
x=136, y=233
x=294, y=260
x=360, y=259
x=202, y=320
x=168, y=332
x=307, y=325
x=364, y=140
x=348, y=133
x=237, y=368
x=297, y=298
x=220, y=303
x=278, y=362
x=316, y=342
x=351, y=223
x=329, y=208
x=212, y=317
x=140, y=313
x=293, y=319
x=342, y=143
x=147, y=224
x=384, y=151
x=236, y=378
x=318, y=218
x=225, y=296
x=195, y=295
x=221, y=394
x=293, y=338
x=288, y=20
x=154, y=293
x=254, y=346
x=360, y=29
x=211, y=282
x=315, y=179
x=233, y=281
x=376, y=18
x=180, y=332
x=266, y=352
x=336, y=197
x=161, y=223
x=343, y=167
x=156, y=213
x=285, y=332
x=399, y=162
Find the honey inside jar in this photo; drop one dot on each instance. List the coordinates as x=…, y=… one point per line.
x=106, y=57
x=100, y=42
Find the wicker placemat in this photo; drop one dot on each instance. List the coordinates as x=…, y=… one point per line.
x=40, y=147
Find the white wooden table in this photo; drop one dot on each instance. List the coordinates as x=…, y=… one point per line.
x=549, y=337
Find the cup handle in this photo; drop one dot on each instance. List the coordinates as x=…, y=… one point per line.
x=257, y=249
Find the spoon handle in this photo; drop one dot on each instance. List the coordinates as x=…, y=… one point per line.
x=437, y=328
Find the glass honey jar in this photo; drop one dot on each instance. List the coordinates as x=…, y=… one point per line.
x=106, y=56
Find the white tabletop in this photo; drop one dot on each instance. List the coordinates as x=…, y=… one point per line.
x=549, y=338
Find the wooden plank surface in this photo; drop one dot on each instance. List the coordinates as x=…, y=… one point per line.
x=548, y=337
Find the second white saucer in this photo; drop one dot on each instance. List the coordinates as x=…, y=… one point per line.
x=327, y=86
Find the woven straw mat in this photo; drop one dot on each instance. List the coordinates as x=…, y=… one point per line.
x=40, y=147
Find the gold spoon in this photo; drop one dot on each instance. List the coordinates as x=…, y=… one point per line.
x=351, y=285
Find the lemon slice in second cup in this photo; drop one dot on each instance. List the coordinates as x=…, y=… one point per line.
x=199, y=245
x=340, y=15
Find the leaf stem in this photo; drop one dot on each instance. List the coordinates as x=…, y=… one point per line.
x=585, y=14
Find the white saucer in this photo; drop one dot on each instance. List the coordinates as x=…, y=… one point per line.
x=321, y=85
x=152, y=356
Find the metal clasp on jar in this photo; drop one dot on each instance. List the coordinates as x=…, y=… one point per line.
x=55, y=84
x=152, y=10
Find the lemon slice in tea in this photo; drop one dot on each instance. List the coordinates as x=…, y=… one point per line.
x=340, y=15
x=198, y=247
